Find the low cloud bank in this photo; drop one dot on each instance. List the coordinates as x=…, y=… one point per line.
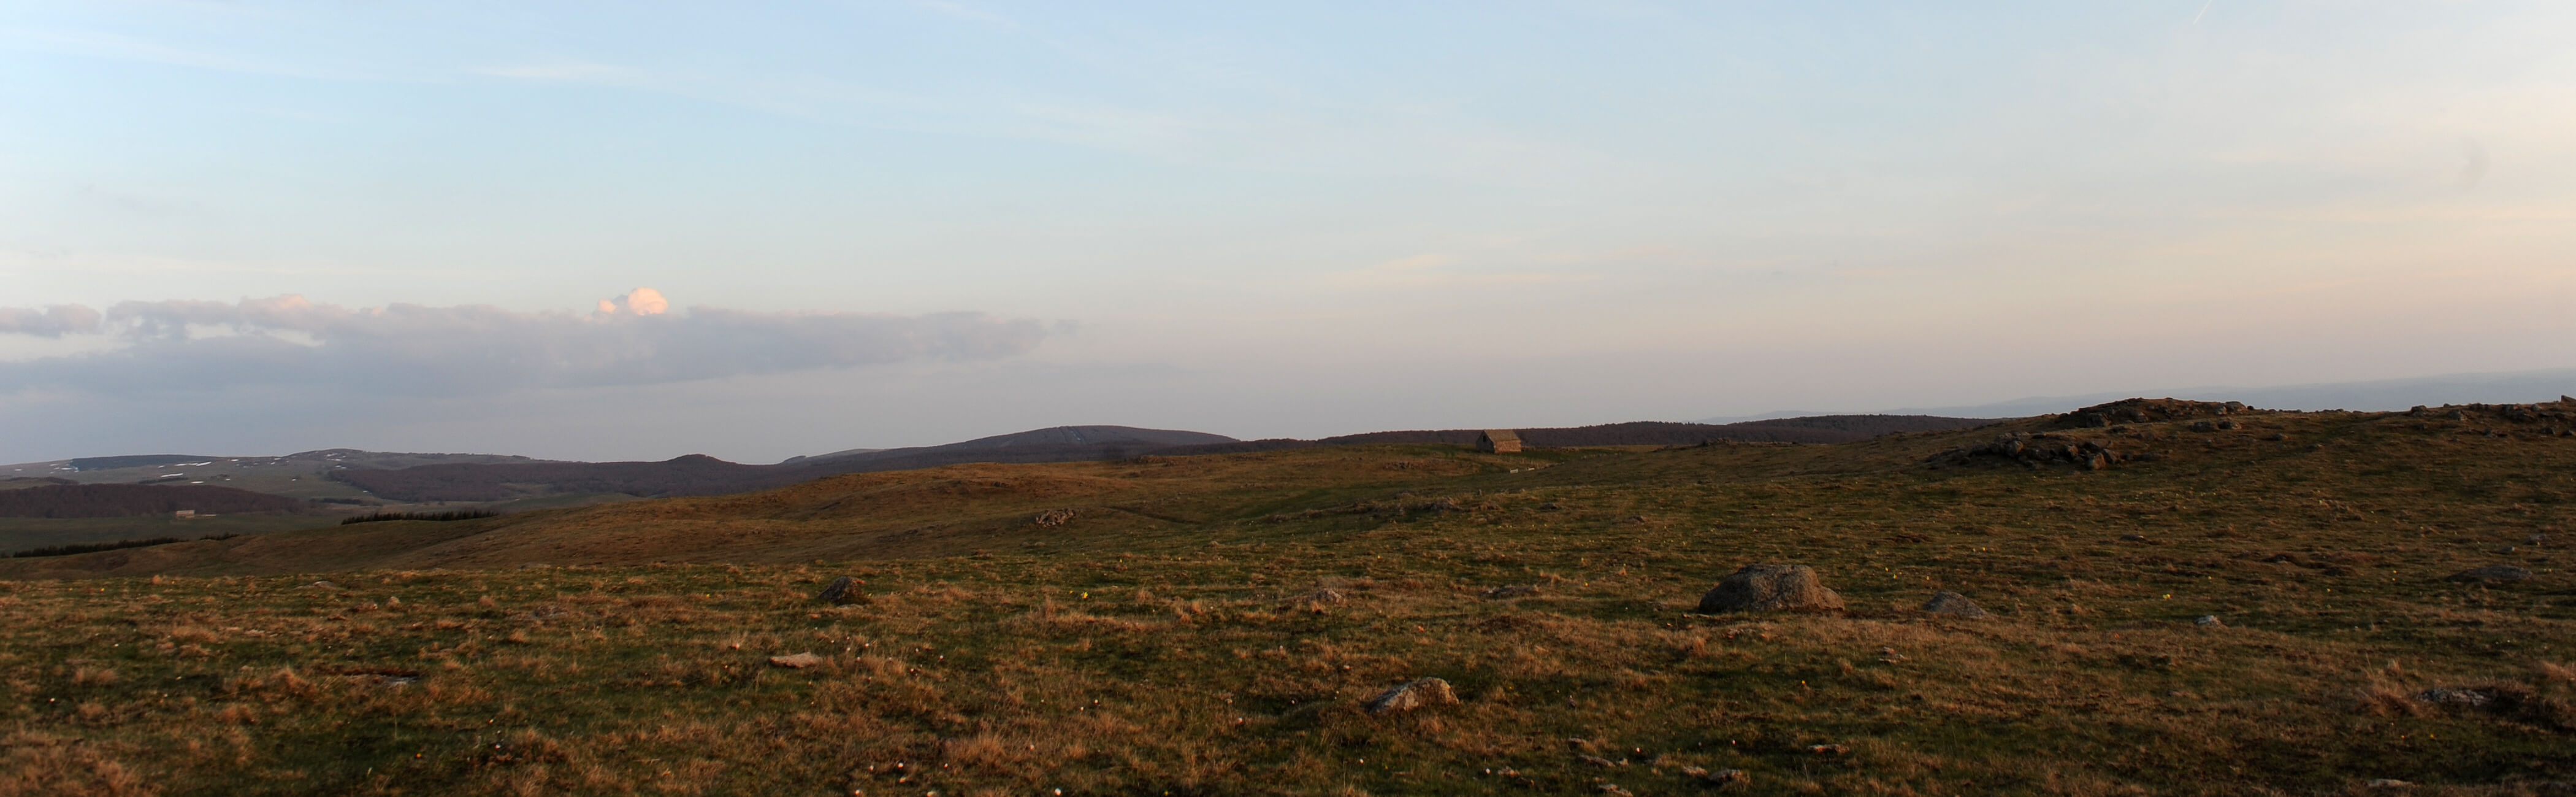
x=416, y=350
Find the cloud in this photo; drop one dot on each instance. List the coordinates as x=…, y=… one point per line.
x=407, y=349
x=51, y=322
x=641, y=301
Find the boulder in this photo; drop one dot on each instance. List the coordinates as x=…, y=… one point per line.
x=1953, y=604
x=795, y=661
x=1770, y=588
x=838, y=592
x=2491, y=574
x=1053, y=518
x=1511, y=591
x=1421, y=693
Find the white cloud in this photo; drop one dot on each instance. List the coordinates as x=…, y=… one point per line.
x=51, y=322
x=471, y=350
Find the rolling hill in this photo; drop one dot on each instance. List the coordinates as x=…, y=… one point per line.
x=702, y=475
x=135, y=500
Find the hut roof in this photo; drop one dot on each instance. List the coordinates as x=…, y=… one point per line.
x=1500, y=435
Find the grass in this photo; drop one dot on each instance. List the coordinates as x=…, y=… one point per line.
x=1168, y=637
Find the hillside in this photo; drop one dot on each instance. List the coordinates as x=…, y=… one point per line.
x=305, y=474
x=703, y=475
x=2184, y=598
x=135, y=500
x=1814, y=429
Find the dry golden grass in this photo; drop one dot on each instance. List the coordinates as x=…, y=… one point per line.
x=1218, y=633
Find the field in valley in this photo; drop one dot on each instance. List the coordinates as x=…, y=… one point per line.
x=1214, y=624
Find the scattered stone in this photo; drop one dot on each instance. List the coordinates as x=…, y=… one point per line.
x=838, y=592
x=1422, y=693
x=1053, y=518
x=2491, y=574
x=1827, y=749
x=796, y=661
x=1770, y=588
x=1326, y=596
x=2034, y=451
x=2276, y=437
x=1511, y=591
x=2388, y=783
x=1549, y=507
x=2133, y=538
x=1597, y=761
x=2204, y=426
x=1613, y=788
x=2209, y=621
x=1953, y=604
x=1730, y=779
x=2457, y=696
x=322, y=585
x=2228, y=425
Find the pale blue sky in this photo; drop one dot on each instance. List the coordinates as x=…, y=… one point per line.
x=1295, y=219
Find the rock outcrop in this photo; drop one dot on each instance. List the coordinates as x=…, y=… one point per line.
x=2035, y=451
x=1770, y=588
x=1416, y=694
x=1954, y=605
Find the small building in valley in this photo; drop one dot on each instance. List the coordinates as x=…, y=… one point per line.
x=1498, y=441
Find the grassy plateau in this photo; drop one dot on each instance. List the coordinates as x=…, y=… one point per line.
x=1214, y=624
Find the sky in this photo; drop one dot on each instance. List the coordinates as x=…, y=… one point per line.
x=636, y=230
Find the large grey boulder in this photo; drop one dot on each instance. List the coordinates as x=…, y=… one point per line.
x=1770, y=588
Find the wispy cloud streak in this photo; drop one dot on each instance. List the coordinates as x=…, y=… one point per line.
x=465, y=350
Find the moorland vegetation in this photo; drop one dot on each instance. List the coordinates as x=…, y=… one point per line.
x=2177, y=598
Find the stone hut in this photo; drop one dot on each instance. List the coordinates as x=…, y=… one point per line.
x=1498, y=441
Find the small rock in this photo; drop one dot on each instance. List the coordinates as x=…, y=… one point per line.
x=1321, y=596
x=1422, y=693
x=1511, y=591
x=2203, y=426
x=2276, y=437
x=1053, y=518
x=2228, y=426
x=1764, y=588
x=1596, y=761
x=796, y=661
x=2447, y=696
x=2133, y=538
x=2491, y=574
x=322, y=585
x=1953, y=604
x=2388, y=783
x=2208, y=621
x=1613, y=788
x=838, y=592
x=1730, y=778
x=1827, y=749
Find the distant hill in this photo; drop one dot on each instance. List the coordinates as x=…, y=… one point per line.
x=304, y=474
x=135, y=500
x=698, y=474
x=1817, y=429
x=703, y=475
